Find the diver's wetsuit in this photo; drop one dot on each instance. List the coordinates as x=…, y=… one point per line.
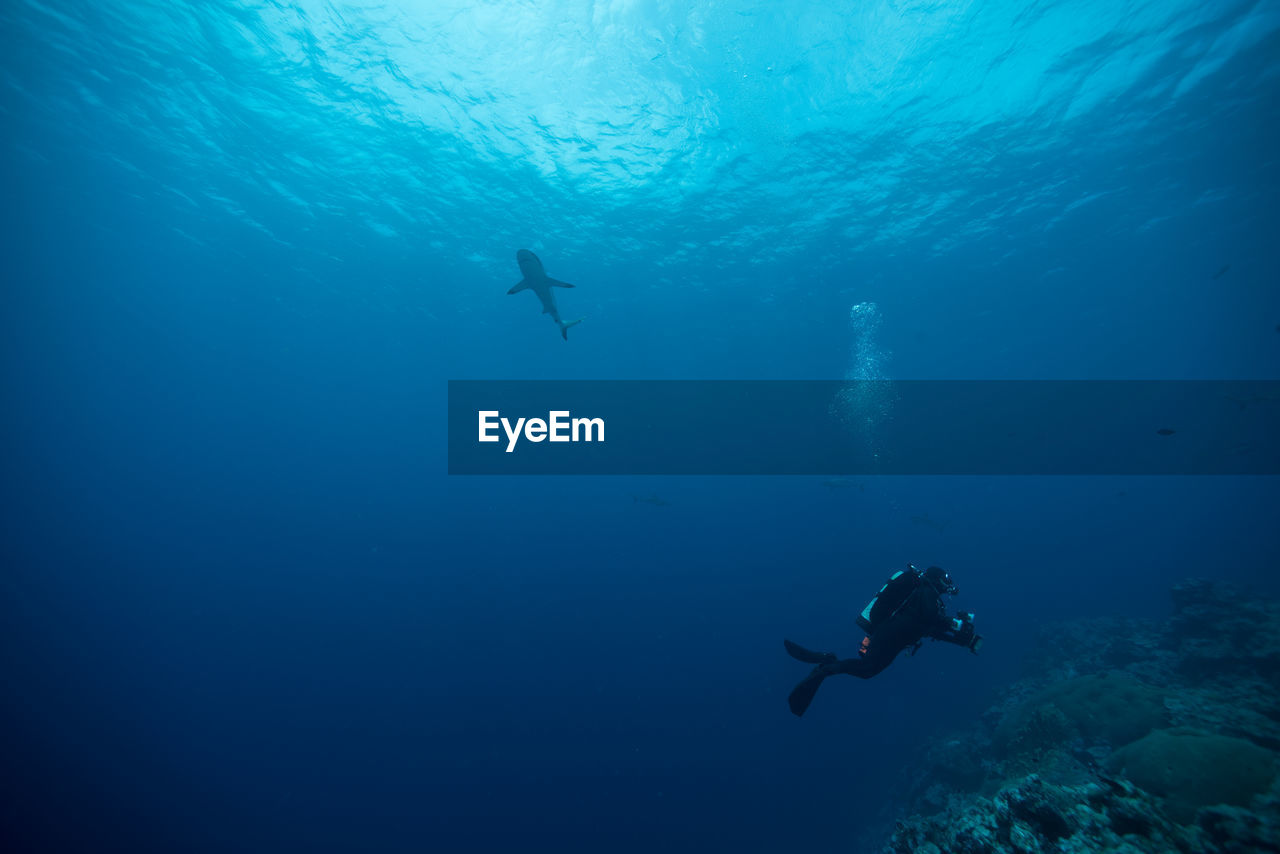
x=921, y=615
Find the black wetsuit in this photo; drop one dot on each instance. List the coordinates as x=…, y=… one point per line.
x=921, y=615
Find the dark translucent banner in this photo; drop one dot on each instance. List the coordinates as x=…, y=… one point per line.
x=864, y=427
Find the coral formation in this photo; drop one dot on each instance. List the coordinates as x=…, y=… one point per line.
x=1090, y=755
x=1192, y=769
x=1035, y=816
x=1110, y=706
x=1218, y=633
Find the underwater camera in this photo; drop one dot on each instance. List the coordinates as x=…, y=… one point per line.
x=964, y=628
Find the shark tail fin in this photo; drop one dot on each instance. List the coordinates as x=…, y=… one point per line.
x=564, y=327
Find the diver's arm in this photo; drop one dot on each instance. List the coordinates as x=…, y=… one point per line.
x=933, y=615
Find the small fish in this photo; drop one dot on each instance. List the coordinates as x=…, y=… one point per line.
x=655, y=500
x=1221, y=273
x=1165, y=431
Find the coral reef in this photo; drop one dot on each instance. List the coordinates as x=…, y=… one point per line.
x=1219, y=634
x=1192, y=769
x=1109, y=706
x=1133, y=736
x=1034, y=816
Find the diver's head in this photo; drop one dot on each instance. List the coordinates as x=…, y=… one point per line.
x=940, y=580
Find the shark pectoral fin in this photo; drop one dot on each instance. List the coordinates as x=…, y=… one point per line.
x=556, y=283
x=524, y=283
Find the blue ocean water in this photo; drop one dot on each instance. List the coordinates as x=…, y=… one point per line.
x=246, y=245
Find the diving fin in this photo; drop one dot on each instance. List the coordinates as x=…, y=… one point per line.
x=802, y=694
x=808, y=656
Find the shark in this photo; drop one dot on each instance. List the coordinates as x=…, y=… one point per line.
x=536, y=280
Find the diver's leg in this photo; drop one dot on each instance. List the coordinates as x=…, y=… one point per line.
x=866, y=667
x=808, y=656
x=883, y=649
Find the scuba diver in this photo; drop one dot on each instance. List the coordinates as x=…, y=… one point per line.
x=907, y=609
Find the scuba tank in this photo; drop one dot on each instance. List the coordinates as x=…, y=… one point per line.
x=892, y=596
